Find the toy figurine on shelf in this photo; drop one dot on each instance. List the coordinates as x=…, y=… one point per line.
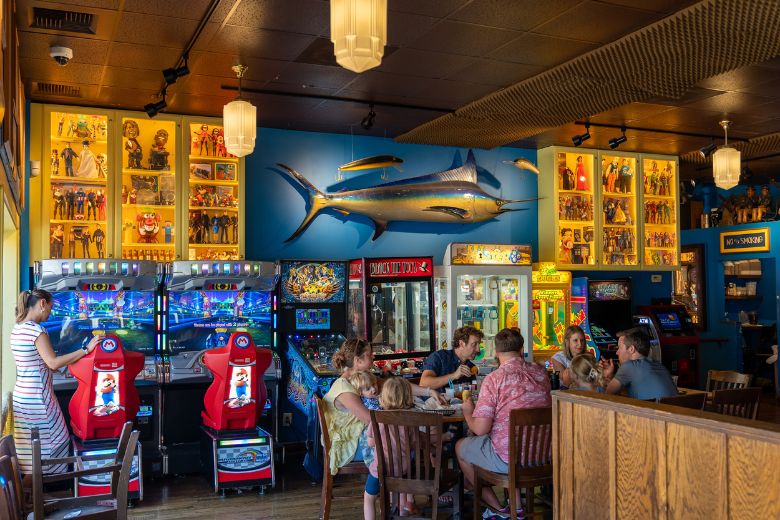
x=87, y=163
x=205, y=224
x=202, y=139
x=102, y=168
x=158, y=156
x=609, y=211
x=60, y=125
x=102, y=128
x=101, y=204
x=91, y=205
x=626, y=175
x=124, y=194
x=86, y=238
x=234, y=227
x=748, y=202
x=130, y=131
x=72, y=128
x=56, y=240
x=71, y=244
x=55, y=162
x=168, y=230
x=82, y=129
x=620, y=216
x=133, y=197
x=220, y=150
x=99, y=236
x=764, y=209
x=582, y=177
x=612, y=173
x=567, y=244
x=224, y=222
x=127, y=231
x=215, y=238
x=59, y=202
x=68, y=154
x=148, y=227
x=70, y=203
x=81, y=197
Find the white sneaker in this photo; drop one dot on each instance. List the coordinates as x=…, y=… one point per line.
x=489, y=514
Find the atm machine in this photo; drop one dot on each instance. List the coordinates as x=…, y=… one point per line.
x=679, y=341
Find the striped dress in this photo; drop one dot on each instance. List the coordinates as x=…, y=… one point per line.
x=35, y=405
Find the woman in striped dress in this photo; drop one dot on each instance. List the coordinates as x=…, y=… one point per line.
x=35, y=405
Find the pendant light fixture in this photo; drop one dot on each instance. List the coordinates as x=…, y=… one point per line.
x=725, y=162
x=240, y=120
x=358, y=30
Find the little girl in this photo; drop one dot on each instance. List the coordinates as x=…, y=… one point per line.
x=396, y=395
x=365, y=382
x=586, y=374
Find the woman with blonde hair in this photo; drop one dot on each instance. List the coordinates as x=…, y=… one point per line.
x=573, y=345
x=35, y=405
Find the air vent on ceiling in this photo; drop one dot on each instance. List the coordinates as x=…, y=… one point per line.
x=71, y=21
x=53, y=89
x=320, y=52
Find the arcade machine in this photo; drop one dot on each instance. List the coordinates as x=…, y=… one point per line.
x=312, y=320
x=551, y=297
x=679, y=341
x=203, y=304
x=394, y=295
x=118, y=297
x=608, y=311
x=105, y=399
x=486, y=286
x=235, y=452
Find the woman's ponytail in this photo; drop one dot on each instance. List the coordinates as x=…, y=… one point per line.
x=27, y=300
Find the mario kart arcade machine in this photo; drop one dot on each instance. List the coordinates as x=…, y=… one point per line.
x=206, y=301
x=395, y=302
x=312, y=320
x=118, y=298
x=486, y=286
x=678, y=339
x=235, y=452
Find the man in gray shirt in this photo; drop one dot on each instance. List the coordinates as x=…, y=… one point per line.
x=643, y=378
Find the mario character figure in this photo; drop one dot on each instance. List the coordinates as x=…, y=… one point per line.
x=148, y=227
x=106, y=391
x=241, y=385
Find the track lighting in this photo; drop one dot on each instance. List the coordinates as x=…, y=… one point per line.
x=706, y=151
x=617, y=141
x=581, y=138
x=171, y=75
x=152, y=109
x=368, y=121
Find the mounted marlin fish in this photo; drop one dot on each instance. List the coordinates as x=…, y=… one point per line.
x=451, y=196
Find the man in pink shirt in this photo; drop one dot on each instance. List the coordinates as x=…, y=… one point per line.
x=516, y=384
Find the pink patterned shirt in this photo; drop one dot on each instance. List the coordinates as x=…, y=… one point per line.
x=516, y=384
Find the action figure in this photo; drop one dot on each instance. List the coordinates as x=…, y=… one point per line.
x=81, y=196
x=224, y=222
x=124, y=194
x=55, y=162
x=86, y=238
x=567, y=244
x=205, y=224
x=202, y=139
x=133, y=197
x=71, y=244
x=220, y=150
x=625, y=177
x=148, y=227
x=99, y=237
x=764, y=205
x=87, y=163
x=82, y=129
x=234, y=226
x=102, y=168
x=168, y=230
x=609, y=211
x=101, y=205
x=56, y=241
x=68, y=154
x=158, y=156
x=582, y=177
x=70, y=204
x=745, y=205
x=215, y=229
x=59, y=202
x=91, y=205
x=72, y=128
x=612, y=174
x=130, y=131
x=60, y=125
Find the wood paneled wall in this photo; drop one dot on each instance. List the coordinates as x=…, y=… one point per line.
x=619, y=458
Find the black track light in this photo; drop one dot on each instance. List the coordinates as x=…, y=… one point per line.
x=368, y=121
x=617, y=141
x=171, y=75
x=706, y=151
x=152, y=109
x=581, y=138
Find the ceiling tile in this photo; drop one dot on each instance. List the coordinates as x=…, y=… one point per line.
x=162, y=31
x=297, y=16
x=404, y=28
x=691, y=95
x=194, y=9
x=219, y=65
x=435, y=93
x=544, y=51
x=258, y=43
x=143, y=56
x=731, y=103
x=462, y=38
x=496, y=73
x=590, y=23
x=131, y=98
x=435, y=8
x=85, y=50
x=519, y=15
x=414, y=62
x=630, y=112
x=741, y=78
x=665, y=7
x=73, y=74
x=132, y=78
x=318, y=76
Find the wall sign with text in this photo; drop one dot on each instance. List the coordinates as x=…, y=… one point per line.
x=745, y=241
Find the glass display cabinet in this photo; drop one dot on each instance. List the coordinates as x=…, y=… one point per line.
x=660, y=222
x=214, y=205
x=76, y=185
x=619, y=203
x=148, y=188
x=688, y=287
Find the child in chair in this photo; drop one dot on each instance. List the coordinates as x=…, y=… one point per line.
x=586, y=373
x=365, y=382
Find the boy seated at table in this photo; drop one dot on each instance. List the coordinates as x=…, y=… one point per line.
x=515, y=384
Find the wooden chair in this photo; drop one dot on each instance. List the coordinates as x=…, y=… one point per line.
x=10, y=491
x=726, y=380
x=742, y=402
x=8, y=449
x=530, y=455
x=410, y=445
x=110, y=506
x=695, y=401
x=353, y=468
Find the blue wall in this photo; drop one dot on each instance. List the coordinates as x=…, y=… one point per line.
x=276, y=206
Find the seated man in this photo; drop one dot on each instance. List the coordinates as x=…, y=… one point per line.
x=515, y=384
x=452, y=366
x=643, y=378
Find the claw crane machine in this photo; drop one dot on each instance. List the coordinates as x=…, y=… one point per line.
x=486, y=286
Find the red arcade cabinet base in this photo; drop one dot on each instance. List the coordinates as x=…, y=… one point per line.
x=101, y=483
x=238, y=459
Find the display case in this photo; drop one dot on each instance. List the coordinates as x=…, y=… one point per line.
x=619, y=204
x=568, y=195
x=214, y=196
x=688, y=287
x=148, y=187
x=75, y=192
x=660, y=208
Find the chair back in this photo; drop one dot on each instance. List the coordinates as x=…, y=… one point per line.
x=8, y=449
x=123, y=446
x=10, y=505
x=694, y=401
x=325, y=434
x=530, y=443
x=741, y=402
x=726, y=380
x=121, y=482
x=408, y=451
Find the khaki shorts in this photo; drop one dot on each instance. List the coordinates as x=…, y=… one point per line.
x=478, y=450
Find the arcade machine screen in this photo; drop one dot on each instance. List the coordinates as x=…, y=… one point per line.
x=669, y=322
x=128, y=314
x=202, y=320
x=609, y=308
x=313, y=282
